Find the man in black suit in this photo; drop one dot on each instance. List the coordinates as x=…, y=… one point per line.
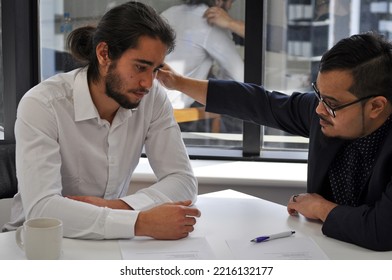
x=348, y=122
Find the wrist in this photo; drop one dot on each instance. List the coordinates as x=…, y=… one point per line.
x=326, y=208
x=140, y=225
x=118, y=204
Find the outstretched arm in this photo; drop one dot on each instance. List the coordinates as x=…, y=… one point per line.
x=196, y=89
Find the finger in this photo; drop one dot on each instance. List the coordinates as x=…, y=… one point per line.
x=193, y=212
x=189, y=229
x=190, y=221
x=184, y=202
x=292, y=211
x=291, y=208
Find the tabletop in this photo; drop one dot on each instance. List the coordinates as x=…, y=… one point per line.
x=225, y=215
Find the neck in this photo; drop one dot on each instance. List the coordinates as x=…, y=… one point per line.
x=106, y=106
x=378, y=122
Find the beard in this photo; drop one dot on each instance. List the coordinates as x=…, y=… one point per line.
x=114, y=86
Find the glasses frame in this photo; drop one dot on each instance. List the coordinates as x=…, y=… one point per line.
x=332, y=110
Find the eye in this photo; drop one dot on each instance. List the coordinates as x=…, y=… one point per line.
x=140, y=68
x=333, y=104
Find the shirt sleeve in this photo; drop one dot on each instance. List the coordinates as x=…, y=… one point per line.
x=368, y=226
x=168, y=158
x=250, y=102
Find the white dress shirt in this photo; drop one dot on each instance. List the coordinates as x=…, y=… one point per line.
x=63, y=148
x=198, y=45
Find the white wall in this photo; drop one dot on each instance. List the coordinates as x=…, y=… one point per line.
x=268, y=180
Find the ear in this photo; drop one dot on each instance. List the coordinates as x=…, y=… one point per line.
x=102, y=52
x=377, y=105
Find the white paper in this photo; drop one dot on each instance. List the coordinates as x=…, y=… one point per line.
x=290, y=248
x=190, y=248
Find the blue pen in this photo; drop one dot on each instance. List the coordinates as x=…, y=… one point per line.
x=272, y=236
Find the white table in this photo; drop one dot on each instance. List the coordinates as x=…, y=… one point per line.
x=225, y=215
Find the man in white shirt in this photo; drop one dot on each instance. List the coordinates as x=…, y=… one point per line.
x=79, y=137
x=199, y=45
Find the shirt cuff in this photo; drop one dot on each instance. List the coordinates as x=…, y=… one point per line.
x=139, y=201
x=120, y=224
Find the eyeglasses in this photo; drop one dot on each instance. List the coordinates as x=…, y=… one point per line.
x=332, y=110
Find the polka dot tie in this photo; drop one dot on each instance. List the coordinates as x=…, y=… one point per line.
x=350, y=169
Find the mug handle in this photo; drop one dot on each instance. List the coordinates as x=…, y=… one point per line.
x=18, y=237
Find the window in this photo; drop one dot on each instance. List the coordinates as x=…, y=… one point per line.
x=296, y=34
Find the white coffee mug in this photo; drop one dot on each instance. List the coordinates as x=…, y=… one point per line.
x=41, y=238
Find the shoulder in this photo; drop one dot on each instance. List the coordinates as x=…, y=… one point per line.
x=57, y=87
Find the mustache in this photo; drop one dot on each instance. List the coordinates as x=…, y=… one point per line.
x=324, y=119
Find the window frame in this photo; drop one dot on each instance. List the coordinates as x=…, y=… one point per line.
x=252, y=143
x=20, y=56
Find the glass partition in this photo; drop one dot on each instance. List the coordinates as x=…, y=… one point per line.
x=297, y=33
x=220, y=59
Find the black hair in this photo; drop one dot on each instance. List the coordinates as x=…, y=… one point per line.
x=209, y=3
x=368, y=57
x=121, y=28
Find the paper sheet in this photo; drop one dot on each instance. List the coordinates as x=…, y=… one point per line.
x=290, y=248
x=190, y=248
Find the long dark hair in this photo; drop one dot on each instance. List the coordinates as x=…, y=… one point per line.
x=368, y=57
x=121, y=28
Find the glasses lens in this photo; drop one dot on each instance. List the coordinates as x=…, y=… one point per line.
x=329, y=109
x=326, y=106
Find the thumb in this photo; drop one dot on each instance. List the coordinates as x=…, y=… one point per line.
x=184, y=202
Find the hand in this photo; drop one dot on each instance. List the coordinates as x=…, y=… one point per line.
x=167, y=77
x=311, y=205
x=167, y=221
x=194, y=88
x=98, y=201
x=217, y=16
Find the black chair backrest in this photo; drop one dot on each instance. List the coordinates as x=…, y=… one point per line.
x=8, y=181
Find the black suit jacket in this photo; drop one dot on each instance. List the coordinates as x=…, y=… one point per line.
x=370, y=224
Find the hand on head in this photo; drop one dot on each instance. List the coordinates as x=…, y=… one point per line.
x=167, y=76
x=217, y=16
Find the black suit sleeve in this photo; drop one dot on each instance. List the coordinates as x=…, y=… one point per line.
x=250, y=102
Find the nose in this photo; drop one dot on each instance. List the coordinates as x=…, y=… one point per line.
x=320, y=109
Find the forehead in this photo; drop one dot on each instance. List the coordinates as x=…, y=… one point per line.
x=148, y=49
x=336, y=81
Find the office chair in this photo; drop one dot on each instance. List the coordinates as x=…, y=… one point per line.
x=8, y=181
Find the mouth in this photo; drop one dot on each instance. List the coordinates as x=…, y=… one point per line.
x=139, y=93
x=324, y=122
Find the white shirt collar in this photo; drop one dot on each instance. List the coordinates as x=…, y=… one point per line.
x=84, y=106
